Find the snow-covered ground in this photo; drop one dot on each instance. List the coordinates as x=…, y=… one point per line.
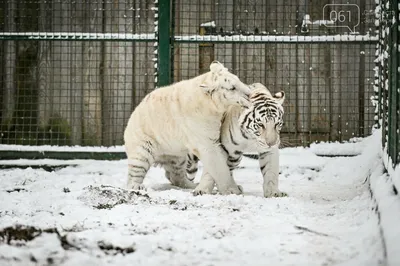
x=329, y=217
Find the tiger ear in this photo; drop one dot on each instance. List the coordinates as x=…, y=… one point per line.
x=280, y=97
x=216, y=67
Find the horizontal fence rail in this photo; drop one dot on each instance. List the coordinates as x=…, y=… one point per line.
x=81, y=36
x=76, y=36
x=276, y=39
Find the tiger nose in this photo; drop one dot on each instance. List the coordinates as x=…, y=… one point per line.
x=272, y=142
x=271, y=138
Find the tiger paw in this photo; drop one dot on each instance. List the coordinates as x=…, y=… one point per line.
x=136, y=186
x=275, y=194
x=187, y=185
x=237, y=190
x=198, y=191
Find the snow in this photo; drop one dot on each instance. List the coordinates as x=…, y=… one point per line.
x=328, y=218
x=350, y=148
x=388, y=163
x=323, y=22
x=208, y=24
x=385, y=189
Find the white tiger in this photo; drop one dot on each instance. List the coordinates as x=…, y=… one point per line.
x=256, y=128
x=183, y=118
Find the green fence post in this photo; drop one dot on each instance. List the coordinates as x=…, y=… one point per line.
x=397, y=14
x=164, y=43
x=393, y=77
x=394, y=83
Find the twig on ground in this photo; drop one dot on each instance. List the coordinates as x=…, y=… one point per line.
x=310, y=231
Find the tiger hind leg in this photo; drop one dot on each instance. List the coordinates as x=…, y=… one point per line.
x=175, y=172
x=139, y=163
x=191, y=166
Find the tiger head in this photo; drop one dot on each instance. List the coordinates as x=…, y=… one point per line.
x=228, y=85
x=263, y=120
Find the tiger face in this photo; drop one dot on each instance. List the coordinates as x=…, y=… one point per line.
x=233, y=90
x=263, y=120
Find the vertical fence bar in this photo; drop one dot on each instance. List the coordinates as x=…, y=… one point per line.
x=377, y=92
x=383, y=71
x=392, y=69
x=389, y=78
x=164, y=43
x=361, y=77
x=393, y=81
x=397, y=15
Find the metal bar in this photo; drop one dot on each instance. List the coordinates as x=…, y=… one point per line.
x=393, y=83
x=397, y=157
x=366, y=39
x=164, y=43
x=361, y=77
x=391, y=90
x=76, y=36
x=172, y=33
x=151, y=37
x=61, y=155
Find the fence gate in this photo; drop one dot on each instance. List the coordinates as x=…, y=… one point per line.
x=71, y=72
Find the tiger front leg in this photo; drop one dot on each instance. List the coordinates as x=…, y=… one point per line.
x=205, y=186
x=215, y=164
x=269, y=166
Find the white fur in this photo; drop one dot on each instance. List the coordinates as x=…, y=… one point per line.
x=184, y=117
x=266, y=145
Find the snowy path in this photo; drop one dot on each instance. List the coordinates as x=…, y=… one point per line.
x=328, y=218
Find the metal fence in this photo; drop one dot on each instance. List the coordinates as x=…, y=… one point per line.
x=387, y=75
x=71, y=72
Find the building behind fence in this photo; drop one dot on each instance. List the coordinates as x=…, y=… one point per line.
x=71, y=72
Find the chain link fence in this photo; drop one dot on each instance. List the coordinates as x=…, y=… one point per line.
x=72, y=72
x=387, y=79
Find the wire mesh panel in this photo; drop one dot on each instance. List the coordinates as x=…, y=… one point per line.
x=57, y=89
x=319, y=52
x=388, y=79
x=72, y=71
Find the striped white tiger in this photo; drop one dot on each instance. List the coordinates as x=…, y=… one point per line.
x=183, y=118
x=256, y=128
